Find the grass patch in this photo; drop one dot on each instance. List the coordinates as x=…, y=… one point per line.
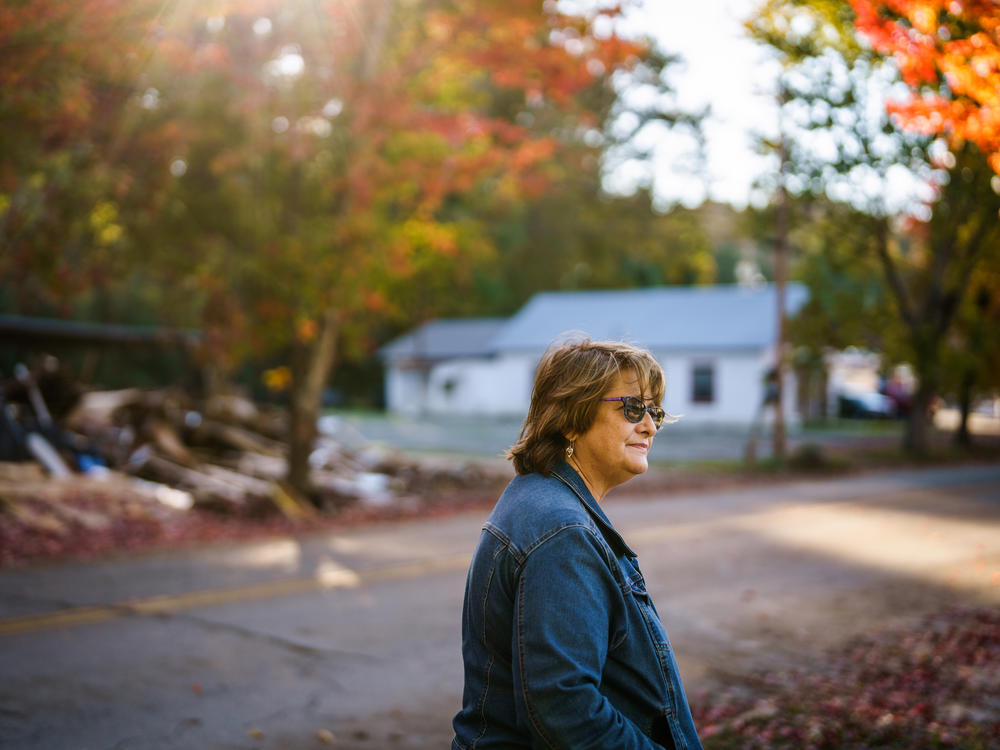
x=854, y=427
x=718, y=465
x=805, y=459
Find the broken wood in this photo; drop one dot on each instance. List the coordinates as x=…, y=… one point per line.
x=206, y=489
x=162, y=452
x=236, y=438
x=290, y=504
x=168, y=442
x=96, y=409
x=232, y=409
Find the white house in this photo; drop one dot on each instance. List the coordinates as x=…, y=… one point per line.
x=441, y=365
x=716, y=344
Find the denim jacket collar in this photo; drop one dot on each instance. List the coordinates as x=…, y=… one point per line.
x=569, y=476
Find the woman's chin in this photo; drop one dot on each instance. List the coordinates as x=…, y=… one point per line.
x=638, y=466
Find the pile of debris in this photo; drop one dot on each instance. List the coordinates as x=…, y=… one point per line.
x=74, y=461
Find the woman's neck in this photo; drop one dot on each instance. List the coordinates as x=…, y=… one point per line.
x=597, y=492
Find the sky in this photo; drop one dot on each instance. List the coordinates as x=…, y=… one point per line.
x=721, y=68
x=736, y=77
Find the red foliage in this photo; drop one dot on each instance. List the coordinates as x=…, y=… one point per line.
x=948, y=52
x=932, y=685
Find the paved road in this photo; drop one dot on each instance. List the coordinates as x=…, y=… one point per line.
x=261, y=645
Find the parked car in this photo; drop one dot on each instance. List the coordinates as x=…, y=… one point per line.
x=859, y=404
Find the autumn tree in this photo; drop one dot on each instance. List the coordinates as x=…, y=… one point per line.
x=288, y=173
x=846, y=148
x=69, y=162
x=948, y=54
x=431, y=108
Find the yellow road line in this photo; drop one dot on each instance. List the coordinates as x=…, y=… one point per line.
x=154, y=605
x=62, y=618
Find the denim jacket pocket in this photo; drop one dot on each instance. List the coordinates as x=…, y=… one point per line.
x=657, y=636
x=678, y=730
x=657, y=633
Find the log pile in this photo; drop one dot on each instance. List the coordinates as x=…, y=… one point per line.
x=98, y=457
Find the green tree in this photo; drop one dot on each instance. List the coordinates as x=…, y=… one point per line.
x=577, y=237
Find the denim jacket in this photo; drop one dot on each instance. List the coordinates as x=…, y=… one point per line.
x=562, y=645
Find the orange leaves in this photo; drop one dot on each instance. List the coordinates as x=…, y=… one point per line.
x=923, y=15
x=58, y=61
x=531, y=153
x=419, y=238
x=277, y=379
x=948, y=52
x=212, y=55
x=306, y=330
x=375, y=301
x=549, y=56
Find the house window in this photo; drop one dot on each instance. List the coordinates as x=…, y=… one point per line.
x=703, y=384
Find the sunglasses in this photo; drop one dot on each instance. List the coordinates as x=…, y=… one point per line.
x=635, y=409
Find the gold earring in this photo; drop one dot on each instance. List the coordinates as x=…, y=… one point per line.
x=569, y=450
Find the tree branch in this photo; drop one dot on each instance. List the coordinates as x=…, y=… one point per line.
x=893, y=276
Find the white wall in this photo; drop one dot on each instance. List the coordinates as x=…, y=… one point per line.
x=738, y=386
x=405, y=390
x=501, y=386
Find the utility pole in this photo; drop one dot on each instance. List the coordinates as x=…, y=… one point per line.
x=780, y=280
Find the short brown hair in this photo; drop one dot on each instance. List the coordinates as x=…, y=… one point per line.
x=572, y=377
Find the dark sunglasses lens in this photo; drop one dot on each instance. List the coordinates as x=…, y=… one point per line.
x=634, y=409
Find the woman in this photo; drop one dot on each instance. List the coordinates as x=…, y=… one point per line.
x=562, y=645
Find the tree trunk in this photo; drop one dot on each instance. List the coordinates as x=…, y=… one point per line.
x=916, y=438
x=312, y=370
x=962, y=436
x=778, y=437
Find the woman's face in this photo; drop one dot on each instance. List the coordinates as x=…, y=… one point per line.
x=613, y=450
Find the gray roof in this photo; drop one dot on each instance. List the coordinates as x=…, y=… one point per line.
x=445, y=339
x=659, y=318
